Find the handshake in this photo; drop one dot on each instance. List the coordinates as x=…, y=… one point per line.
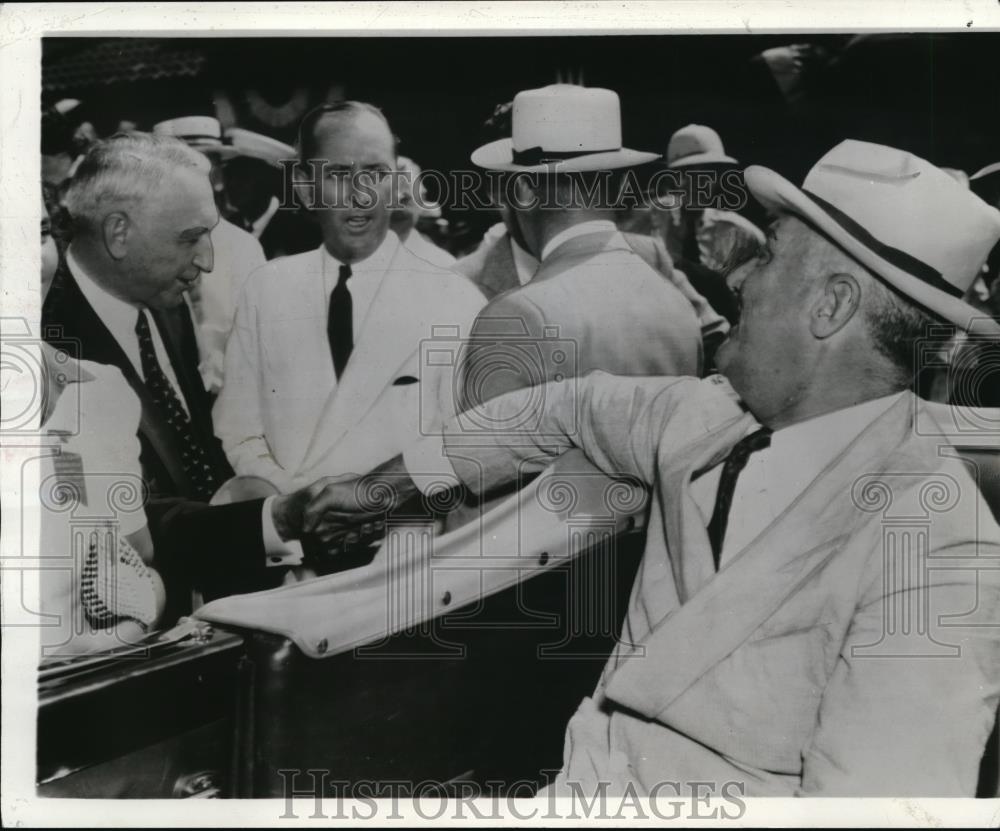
x=337, y=513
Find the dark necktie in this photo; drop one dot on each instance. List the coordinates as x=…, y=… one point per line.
x=735, y=462
x=194, y=458
x=340, y=322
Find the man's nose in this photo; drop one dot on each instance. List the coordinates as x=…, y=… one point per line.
x=204, y=258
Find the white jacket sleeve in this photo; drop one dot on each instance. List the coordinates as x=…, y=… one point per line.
x=618, y=422
x=237, y=415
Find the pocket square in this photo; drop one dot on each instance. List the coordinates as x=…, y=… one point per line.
x=404, y=380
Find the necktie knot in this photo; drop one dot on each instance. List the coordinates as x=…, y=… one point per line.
x=751, y=443
x=344, y=276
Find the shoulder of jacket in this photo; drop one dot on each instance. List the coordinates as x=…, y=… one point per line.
x=279, y=271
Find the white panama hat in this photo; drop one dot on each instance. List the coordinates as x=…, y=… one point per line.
x=258, y=146
x=201, y=132
x=900, y=216
x=562, y=127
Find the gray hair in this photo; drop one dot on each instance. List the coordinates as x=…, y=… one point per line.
x=122, y=170
x=897, y=325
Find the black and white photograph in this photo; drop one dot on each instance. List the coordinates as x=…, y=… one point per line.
x=460, y=413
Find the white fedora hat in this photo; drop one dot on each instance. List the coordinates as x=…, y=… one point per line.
x=562, y=127
x=903, y=218
x=696, y=144
x=202, y=132
x=258, y=146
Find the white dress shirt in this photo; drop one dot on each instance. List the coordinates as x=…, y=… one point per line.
x=774, y=476
x=592, y=226
x=120, y=317
x=363, y=284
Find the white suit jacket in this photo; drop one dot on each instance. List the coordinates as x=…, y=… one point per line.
x=279, y=415
x=237, y=254
x=851, y=648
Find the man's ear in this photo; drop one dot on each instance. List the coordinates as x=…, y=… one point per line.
x=525, y=194
x=306, y=184
x=840, y=299
x=115, y=232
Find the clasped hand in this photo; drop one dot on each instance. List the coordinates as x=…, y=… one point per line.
x=336, y=511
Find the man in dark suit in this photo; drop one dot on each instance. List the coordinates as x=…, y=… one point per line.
x=143, y=212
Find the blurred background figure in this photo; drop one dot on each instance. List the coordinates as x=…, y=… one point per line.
x=416, y=208
x=236, y=252
x=972, y=377
x=58, y=149
x=50, y=251
x=253, y=185
x=726, y=239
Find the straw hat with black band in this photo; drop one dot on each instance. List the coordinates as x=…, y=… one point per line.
x=562, y=128
x=904, y=219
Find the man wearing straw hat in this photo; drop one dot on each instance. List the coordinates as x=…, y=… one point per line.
x=593, y=303
x=253, y=181
x=816, y=610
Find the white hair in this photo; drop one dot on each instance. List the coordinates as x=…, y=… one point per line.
x=123, y=170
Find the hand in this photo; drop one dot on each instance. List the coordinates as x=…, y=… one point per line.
x=286, y=513
x=348, y=509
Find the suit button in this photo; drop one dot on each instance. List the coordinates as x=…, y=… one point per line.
x=276, y=559
x=446, y=598
x=543, y=558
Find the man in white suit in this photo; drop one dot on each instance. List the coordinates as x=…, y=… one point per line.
x=593, y=303
x=323, y=371
x=816, y=610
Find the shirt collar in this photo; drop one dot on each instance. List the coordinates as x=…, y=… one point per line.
x=260, y=223
x=808, y=446
x=378, y=260
x=591, y=226
x=524, y=262
x=117, y=314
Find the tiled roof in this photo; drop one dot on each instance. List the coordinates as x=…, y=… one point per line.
x=116, y=60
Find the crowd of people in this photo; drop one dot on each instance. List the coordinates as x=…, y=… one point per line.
x=254, y=363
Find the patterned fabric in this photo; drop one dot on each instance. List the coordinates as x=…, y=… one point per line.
x=735, y=462
x=340, y=322
x=115, y=583
x=194, y=456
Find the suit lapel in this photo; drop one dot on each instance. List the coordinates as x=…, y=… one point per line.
x=73, y=312
x=719, y=617
x=395, y=322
